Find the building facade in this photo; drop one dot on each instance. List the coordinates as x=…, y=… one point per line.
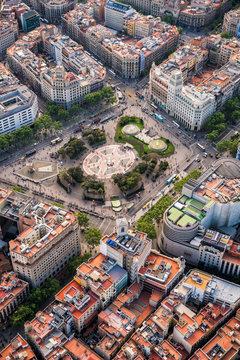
x=43, y=249
x=13, y=292
x=114, y=14
x=231, y=22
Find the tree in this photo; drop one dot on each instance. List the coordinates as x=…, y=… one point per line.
x=223, y=145
x=235, y=116
x=180, y=30
x=46, y=120
x=52, y=108
x=76, y=109
x=226, y=35
x=22, y=314
x=83, y=219
x=57, y=125
x=141, y=167
x=194, y=174
x=93, y=237
x=107, y=92
x=76, y=173
x=217, y=118
x=168, y=19
x=63, y=114
x=213, y=135
x=112, y=100
x=148, y=228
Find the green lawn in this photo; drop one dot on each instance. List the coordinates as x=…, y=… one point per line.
x=140, y=146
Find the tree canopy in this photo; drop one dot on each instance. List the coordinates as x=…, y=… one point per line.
x=83, y=219
x=93, y=236
x=194, y=174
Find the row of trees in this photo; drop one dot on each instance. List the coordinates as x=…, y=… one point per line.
x=20, y=137
x=229, y=145
x=219, y=121
x=35, y=300
x=194, y=174
x=146, y=223
x=106, y=93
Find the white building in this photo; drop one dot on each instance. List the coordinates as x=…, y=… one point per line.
x=63, y=88
x=186, y=104
x=114, y=14
x=17, y=108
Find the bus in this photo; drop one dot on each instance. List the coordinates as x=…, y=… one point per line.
x=30, y=153
x=78, y=129
x=154, y=106
x=56, y=141
x=139, y=95
x=171, y=179
x=175, y=179
x=96, y=121
x=202, y=148
x=176, y=124
x=112, y=72
x=106, y=118
x=158, y=117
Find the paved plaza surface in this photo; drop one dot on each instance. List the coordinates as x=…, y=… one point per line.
x=38, y=170
x=109, y=160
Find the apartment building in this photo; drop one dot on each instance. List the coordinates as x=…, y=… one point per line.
x=8, y=33
x=82, y=76
x=18, y=104
x=129, y=248
x=202, y=13
x=228, y=48
x=13, y=291
x=161, y=273
x=43, y=248
x=231, y=22
x=84, y=303
x=45, y=333
x=208, y=89
x=225, y=344
x=51, y=333
x=185, y=319
x=114, y=14
x=76, y=22
x=191, y=107
x=214, y=204
x=18, y=348
x=108, y=273
x=52, y=10
x=65, y=89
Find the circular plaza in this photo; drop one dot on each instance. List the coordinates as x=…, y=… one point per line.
x=109, y=160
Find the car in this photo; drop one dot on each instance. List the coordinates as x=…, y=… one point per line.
x=211, y=155
x=205, y=155
x=198, y=160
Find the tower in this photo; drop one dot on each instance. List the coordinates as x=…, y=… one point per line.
x=121, y=226
x=175, y=86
